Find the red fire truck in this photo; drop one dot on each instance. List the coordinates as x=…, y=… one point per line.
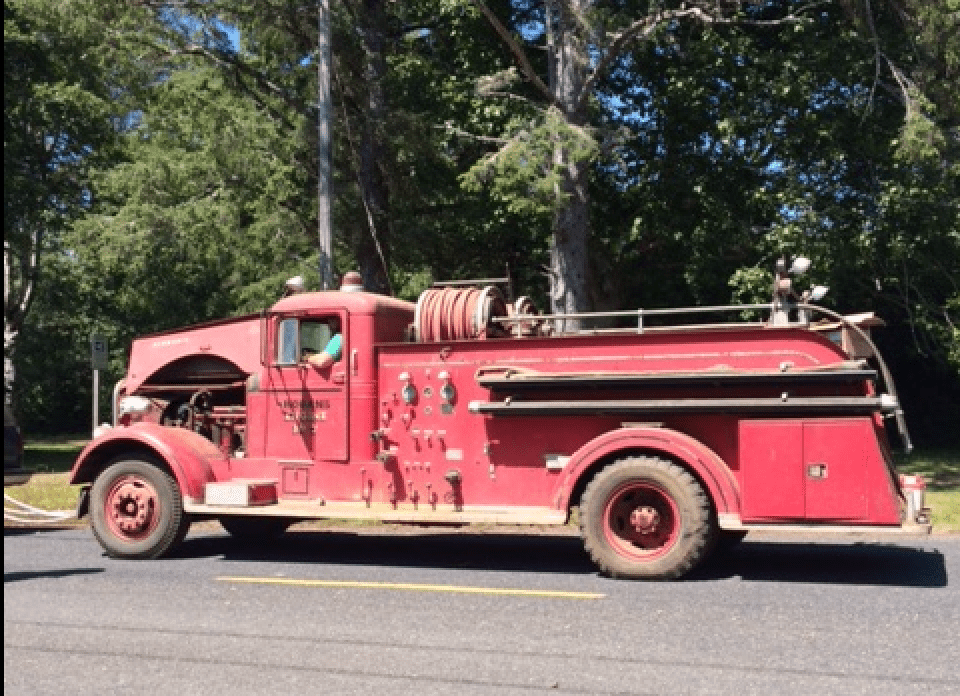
x=664, y=436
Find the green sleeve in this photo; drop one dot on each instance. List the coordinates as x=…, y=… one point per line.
x=334, y=348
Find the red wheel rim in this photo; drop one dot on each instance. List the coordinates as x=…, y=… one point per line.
x=641, y=521
x=131, y=508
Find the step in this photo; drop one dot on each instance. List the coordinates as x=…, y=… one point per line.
x=241, y=493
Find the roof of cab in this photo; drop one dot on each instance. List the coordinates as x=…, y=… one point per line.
x=354, y=302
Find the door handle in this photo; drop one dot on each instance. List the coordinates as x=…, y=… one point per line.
x=338, y=378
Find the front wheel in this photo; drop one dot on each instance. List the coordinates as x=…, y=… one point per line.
x=645, y=518
x=136, y=510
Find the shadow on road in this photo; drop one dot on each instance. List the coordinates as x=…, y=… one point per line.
x=22, y=530
x=476, y=551
x=856, y=563
x=33, y=575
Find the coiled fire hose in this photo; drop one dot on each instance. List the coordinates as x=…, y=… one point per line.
x=457, y=314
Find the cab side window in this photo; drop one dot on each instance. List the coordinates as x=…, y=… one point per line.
x=297, y=340
x=287, y=335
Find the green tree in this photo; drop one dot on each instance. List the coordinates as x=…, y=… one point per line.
x=202, y=219
x=60, y=93
x=549, y=153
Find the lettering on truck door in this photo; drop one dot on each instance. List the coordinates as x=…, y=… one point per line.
x=307, y=406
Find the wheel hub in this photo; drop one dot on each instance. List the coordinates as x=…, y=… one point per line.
x=641, y=521
x=645, y=519
x=132, y=507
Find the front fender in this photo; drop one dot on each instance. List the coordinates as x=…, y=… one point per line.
x=187, y=454
x=721, y=484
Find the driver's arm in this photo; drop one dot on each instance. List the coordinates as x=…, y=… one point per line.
x=329, y=355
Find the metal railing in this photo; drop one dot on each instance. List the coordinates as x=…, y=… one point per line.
x=804, y=313
x=641, y=314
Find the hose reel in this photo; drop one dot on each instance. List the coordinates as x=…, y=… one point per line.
x=459, y=313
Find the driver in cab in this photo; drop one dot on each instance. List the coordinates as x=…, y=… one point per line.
x=332, y=352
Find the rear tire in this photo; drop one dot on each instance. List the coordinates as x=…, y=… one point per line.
x=645, y=518
x=136, y=510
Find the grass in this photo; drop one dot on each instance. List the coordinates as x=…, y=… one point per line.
x=53, y=458
x=945, y=510
x=941, y=470
x=47, y=492
x=53, y=455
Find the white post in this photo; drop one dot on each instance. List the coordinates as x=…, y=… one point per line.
x=96, y=401
x=98, y=361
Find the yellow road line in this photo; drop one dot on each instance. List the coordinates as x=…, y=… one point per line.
x=459, y=589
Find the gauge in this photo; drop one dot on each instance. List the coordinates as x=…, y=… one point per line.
x=448, y=392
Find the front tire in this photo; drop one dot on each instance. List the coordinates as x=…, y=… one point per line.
x=645, y=518
x=137, y=510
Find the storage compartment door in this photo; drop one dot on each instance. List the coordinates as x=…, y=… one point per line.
x=771, y=457
x=835, y=469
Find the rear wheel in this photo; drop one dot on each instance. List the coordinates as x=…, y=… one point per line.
x=256, y=529
x=646, y=518
x=137, y=510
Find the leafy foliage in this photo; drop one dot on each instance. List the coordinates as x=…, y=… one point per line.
x=60, y=106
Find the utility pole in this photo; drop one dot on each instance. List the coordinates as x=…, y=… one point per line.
x=324, y=148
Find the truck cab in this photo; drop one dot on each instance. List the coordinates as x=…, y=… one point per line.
x=311, y=424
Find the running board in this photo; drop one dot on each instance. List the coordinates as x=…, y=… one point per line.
x=384, y=512
x=732, y=523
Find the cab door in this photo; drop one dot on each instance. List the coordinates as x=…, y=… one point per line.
x=307, y=417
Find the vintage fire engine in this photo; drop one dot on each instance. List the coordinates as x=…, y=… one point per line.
x=666, y=437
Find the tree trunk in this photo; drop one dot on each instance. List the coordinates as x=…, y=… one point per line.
x=19, y=278
x=9, y=371
x=569, y=249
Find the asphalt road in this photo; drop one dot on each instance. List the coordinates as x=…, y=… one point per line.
x=341, y=612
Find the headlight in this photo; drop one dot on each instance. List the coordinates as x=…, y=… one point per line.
x=134, y=404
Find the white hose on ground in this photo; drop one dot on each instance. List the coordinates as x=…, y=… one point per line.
x=27, y=514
